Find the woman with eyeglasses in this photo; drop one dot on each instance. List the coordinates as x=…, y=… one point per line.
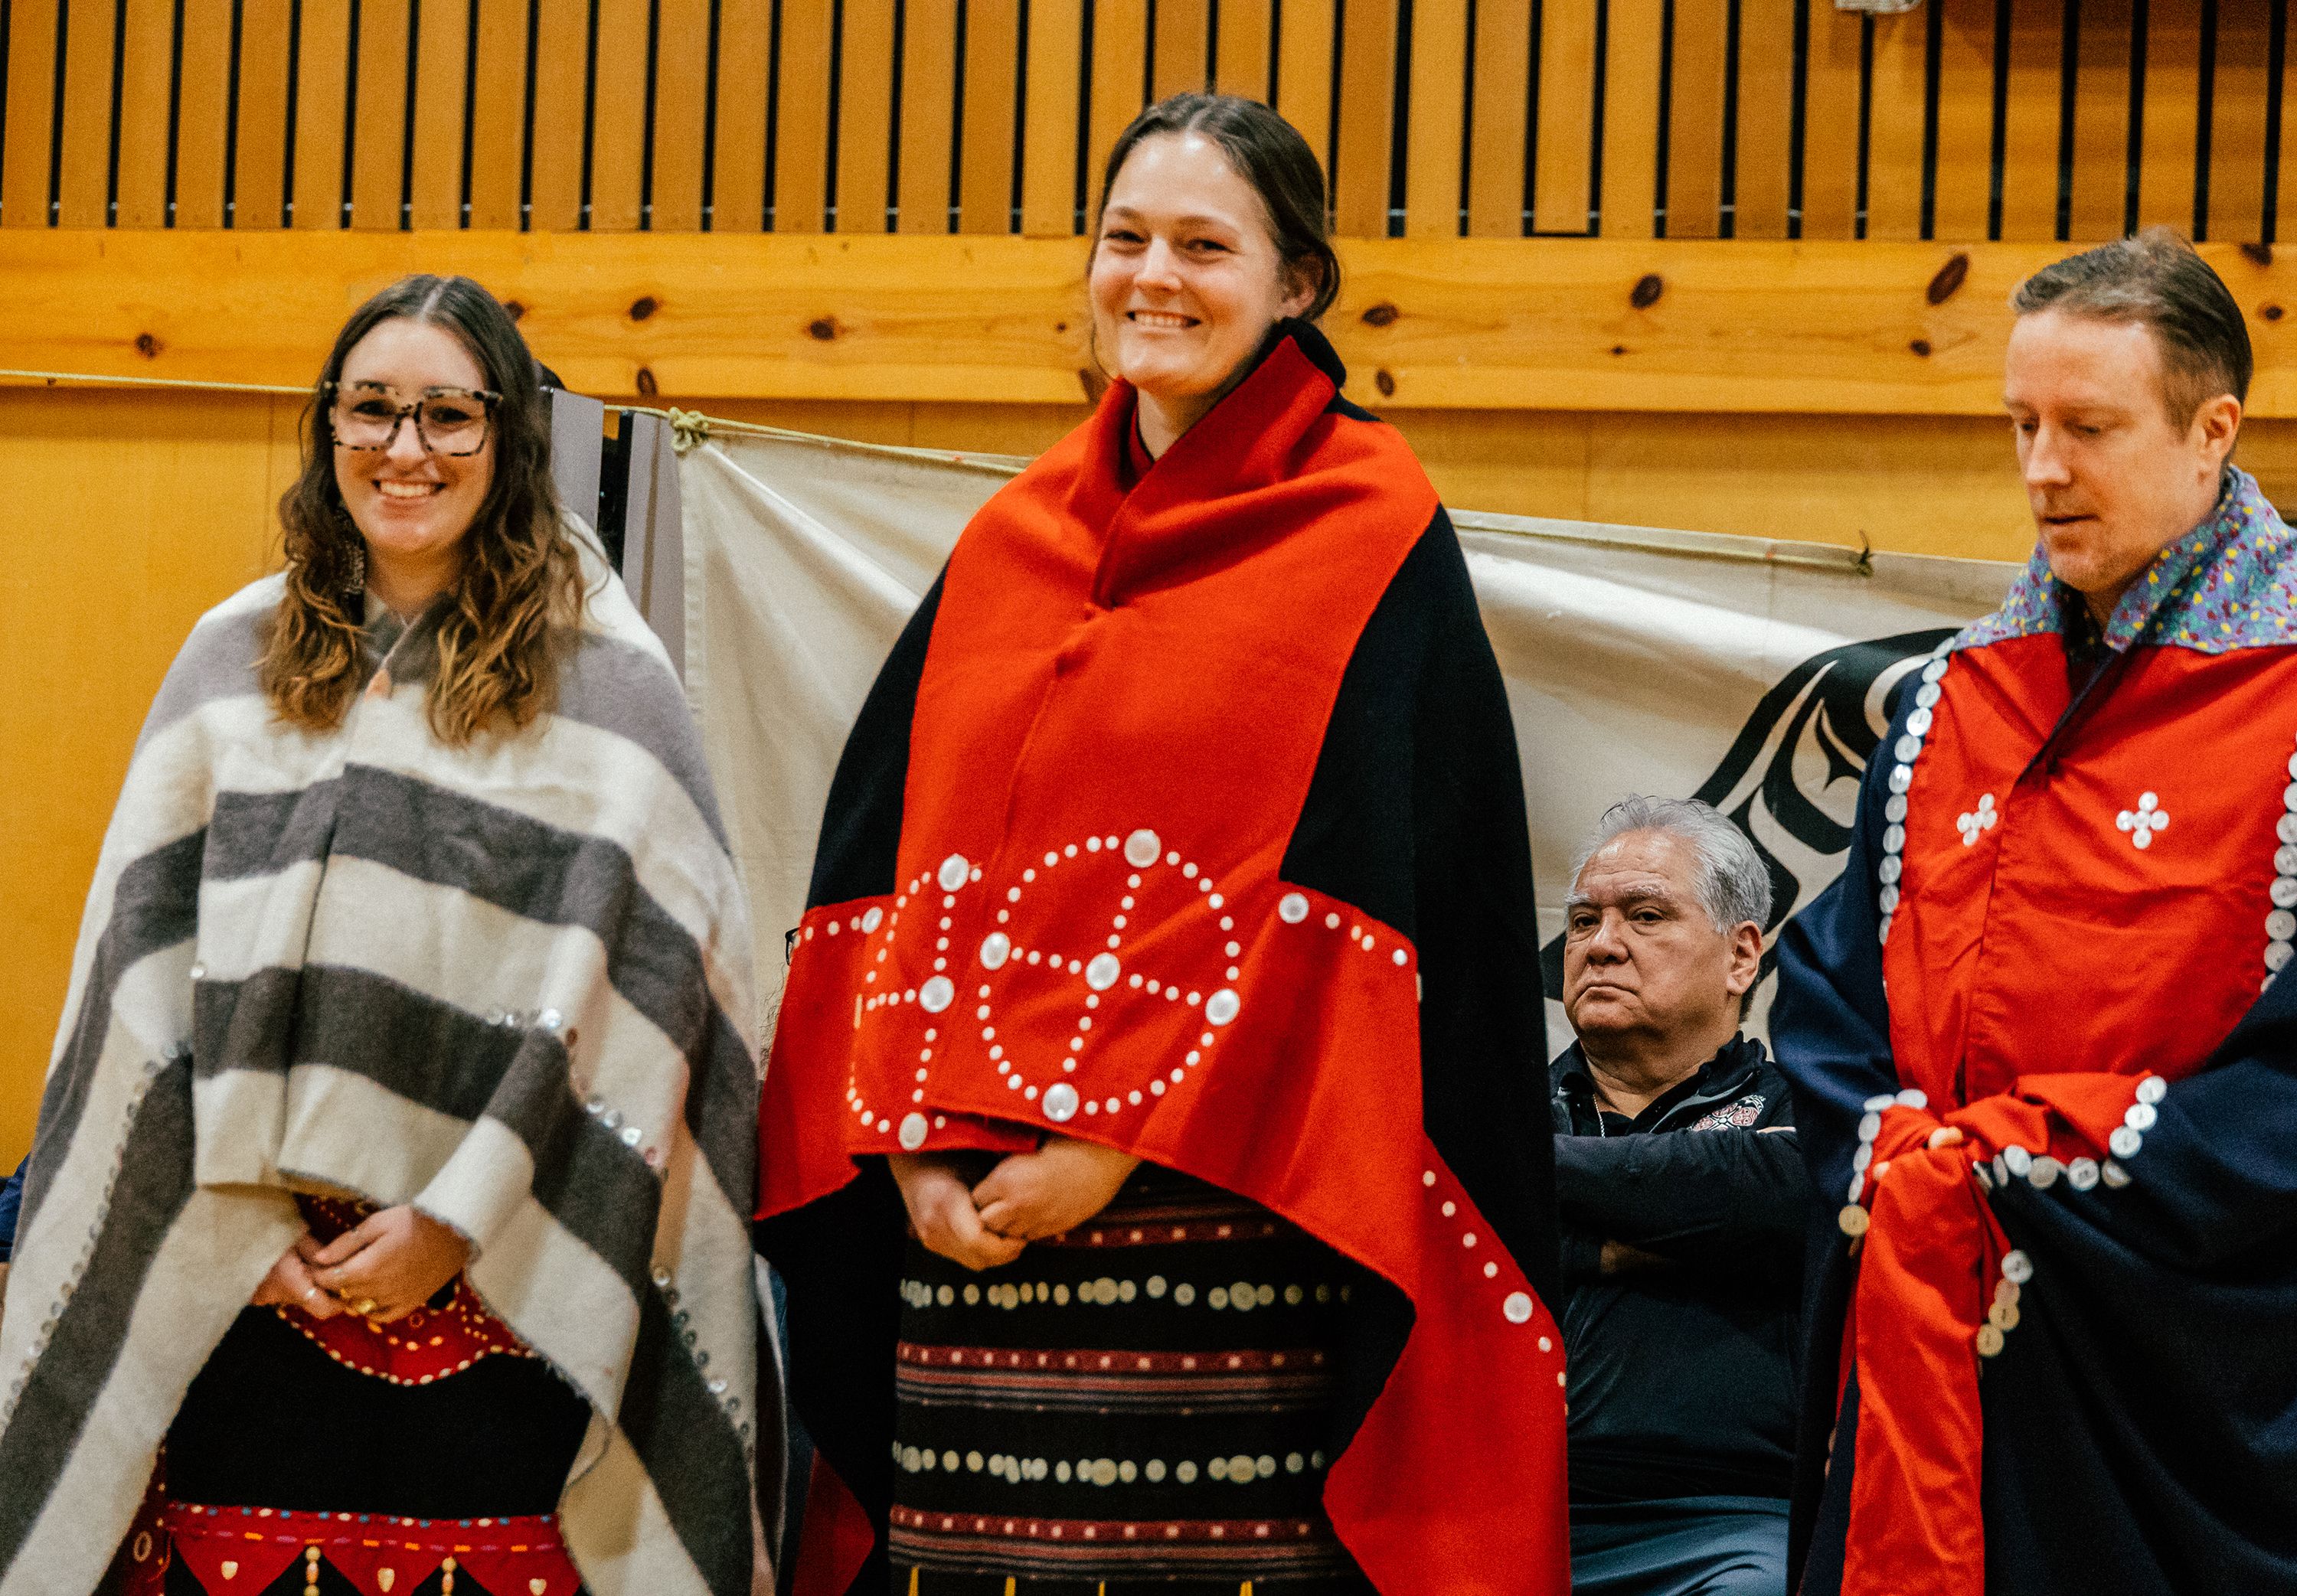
x=385, y=1227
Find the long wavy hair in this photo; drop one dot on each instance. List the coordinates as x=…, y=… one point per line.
x=520, y=578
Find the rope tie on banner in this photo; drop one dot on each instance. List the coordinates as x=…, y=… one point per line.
x=689, y=429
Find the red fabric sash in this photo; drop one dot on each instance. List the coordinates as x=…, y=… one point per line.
x=1122, y=703
x=1929, y=1304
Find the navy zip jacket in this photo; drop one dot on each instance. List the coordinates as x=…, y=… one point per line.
x=1684, y=1376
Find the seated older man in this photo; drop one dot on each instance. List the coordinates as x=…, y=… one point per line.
x=1685, y=1208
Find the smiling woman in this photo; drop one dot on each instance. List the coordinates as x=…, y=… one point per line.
x=399, y=1136
x=1205, y=1064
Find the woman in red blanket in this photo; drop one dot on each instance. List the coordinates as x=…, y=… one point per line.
x=1153, y=1136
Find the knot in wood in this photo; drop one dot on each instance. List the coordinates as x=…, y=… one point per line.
x=1646, y=291
x=1950, y=276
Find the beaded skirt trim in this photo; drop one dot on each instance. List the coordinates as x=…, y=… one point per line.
x=1148, y=1397
x=229, y=1549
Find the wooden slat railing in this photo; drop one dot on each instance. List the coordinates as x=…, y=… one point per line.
x=1962, y=120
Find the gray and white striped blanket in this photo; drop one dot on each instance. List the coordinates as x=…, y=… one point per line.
x=508, y=983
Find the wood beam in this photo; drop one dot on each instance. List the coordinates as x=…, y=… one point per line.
x=1454, y=323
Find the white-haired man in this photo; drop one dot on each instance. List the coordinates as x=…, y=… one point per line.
x=1685, y=1205
x=2031, y=1061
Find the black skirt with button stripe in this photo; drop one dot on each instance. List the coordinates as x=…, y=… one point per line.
x=1147, y=1400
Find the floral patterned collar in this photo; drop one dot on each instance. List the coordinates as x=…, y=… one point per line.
x=2229, y=583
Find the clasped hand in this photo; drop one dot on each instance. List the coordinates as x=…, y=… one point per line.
x=382, y=1269
x=1026, y=1197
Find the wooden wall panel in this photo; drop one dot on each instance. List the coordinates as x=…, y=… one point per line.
x=1962, y=199
x=865, y=116
x=1894, y=141
x=928, y=117
x=1830, y=135
x=203, y=113
x=1765, y=125
x=1120, y=48
x=145, y=67
x=260, y=174
x=2031, y=125
x=1744, y=325
x=801, y=117
x=1366, y=118
x=498, y=114
x=618, y=121
x=83, y=174
x=379, y=137
x=1695, y=93
x=29, y=112
x=152, y=510
x=1181, y=44
x=1242, y=64
x=2100, y=179
x=321, y=103
x=1304, y=71
x=598, y=122
x=2286, y=212
x=2239, y=90
x=1501, y=111
x=441, y=83
x=992, y=38
x=2172, y=127
x=737, y=178
x=1630, y=122
x=1563, y=146
x=562, y=75
x=1439, y=104
x=1049, y=153
x=681, y=105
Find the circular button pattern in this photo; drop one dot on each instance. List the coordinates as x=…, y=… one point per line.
x=1060, y=1101
x=1222, y=1006
x=873, y=919
x=1142, y=848
x=937, y=993
x=2152, y=1089
x=2125, y=1142
x=1516, y=1307
x=2016, y=1267
x=1102, y=973
x=953, y=872
x=996, y=948
x=913, y=1132
x=1292, y=909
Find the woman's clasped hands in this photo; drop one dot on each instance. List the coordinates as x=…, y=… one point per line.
x=382, y=1269
x=1026, y=1197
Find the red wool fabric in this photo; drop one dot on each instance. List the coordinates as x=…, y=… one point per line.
x=1122, y=706
x=2038, y=901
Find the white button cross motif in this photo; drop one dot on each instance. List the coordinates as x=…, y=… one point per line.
x=2142, y=822
x=1978, y=820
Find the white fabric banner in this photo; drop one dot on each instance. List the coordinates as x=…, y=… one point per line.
x=1746, y=672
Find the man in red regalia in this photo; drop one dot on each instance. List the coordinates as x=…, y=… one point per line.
x=2042, y=1061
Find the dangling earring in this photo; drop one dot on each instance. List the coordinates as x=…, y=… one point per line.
x=355, y=561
